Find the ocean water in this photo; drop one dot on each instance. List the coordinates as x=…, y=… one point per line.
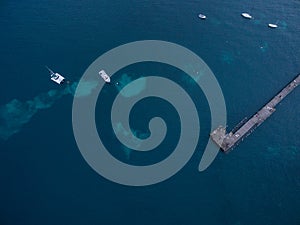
x=45, y=180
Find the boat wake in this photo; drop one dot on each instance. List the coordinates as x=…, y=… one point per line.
x=15, y=114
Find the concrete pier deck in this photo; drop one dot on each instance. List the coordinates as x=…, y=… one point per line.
x=226, y=141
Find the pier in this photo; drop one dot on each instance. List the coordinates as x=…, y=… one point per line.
x=227, y=141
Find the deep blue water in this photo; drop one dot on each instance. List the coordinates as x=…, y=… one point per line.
x=47, y=182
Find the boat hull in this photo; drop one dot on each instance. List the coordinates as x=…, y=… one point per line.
x=246, y=15
x=104, y=76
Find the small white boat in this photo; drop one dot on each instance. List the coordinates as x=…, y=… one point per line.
x=202, y=16
x=246, y=15
x=56, y=77
x=104, y=76
x=272, y=25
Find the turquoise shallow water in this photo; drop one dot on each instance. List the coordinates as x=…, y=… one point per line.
x=46, y=182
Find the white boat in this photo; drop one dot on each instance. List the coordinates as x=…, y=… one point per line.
x=56, y=77
x=104, y=76
x=272, y=25
x=202, y=16
x=246, y=15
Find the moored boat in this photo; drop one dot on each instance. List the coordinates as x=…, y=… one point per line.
x=272, y=25
x=202, y=16
x=246, y=15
